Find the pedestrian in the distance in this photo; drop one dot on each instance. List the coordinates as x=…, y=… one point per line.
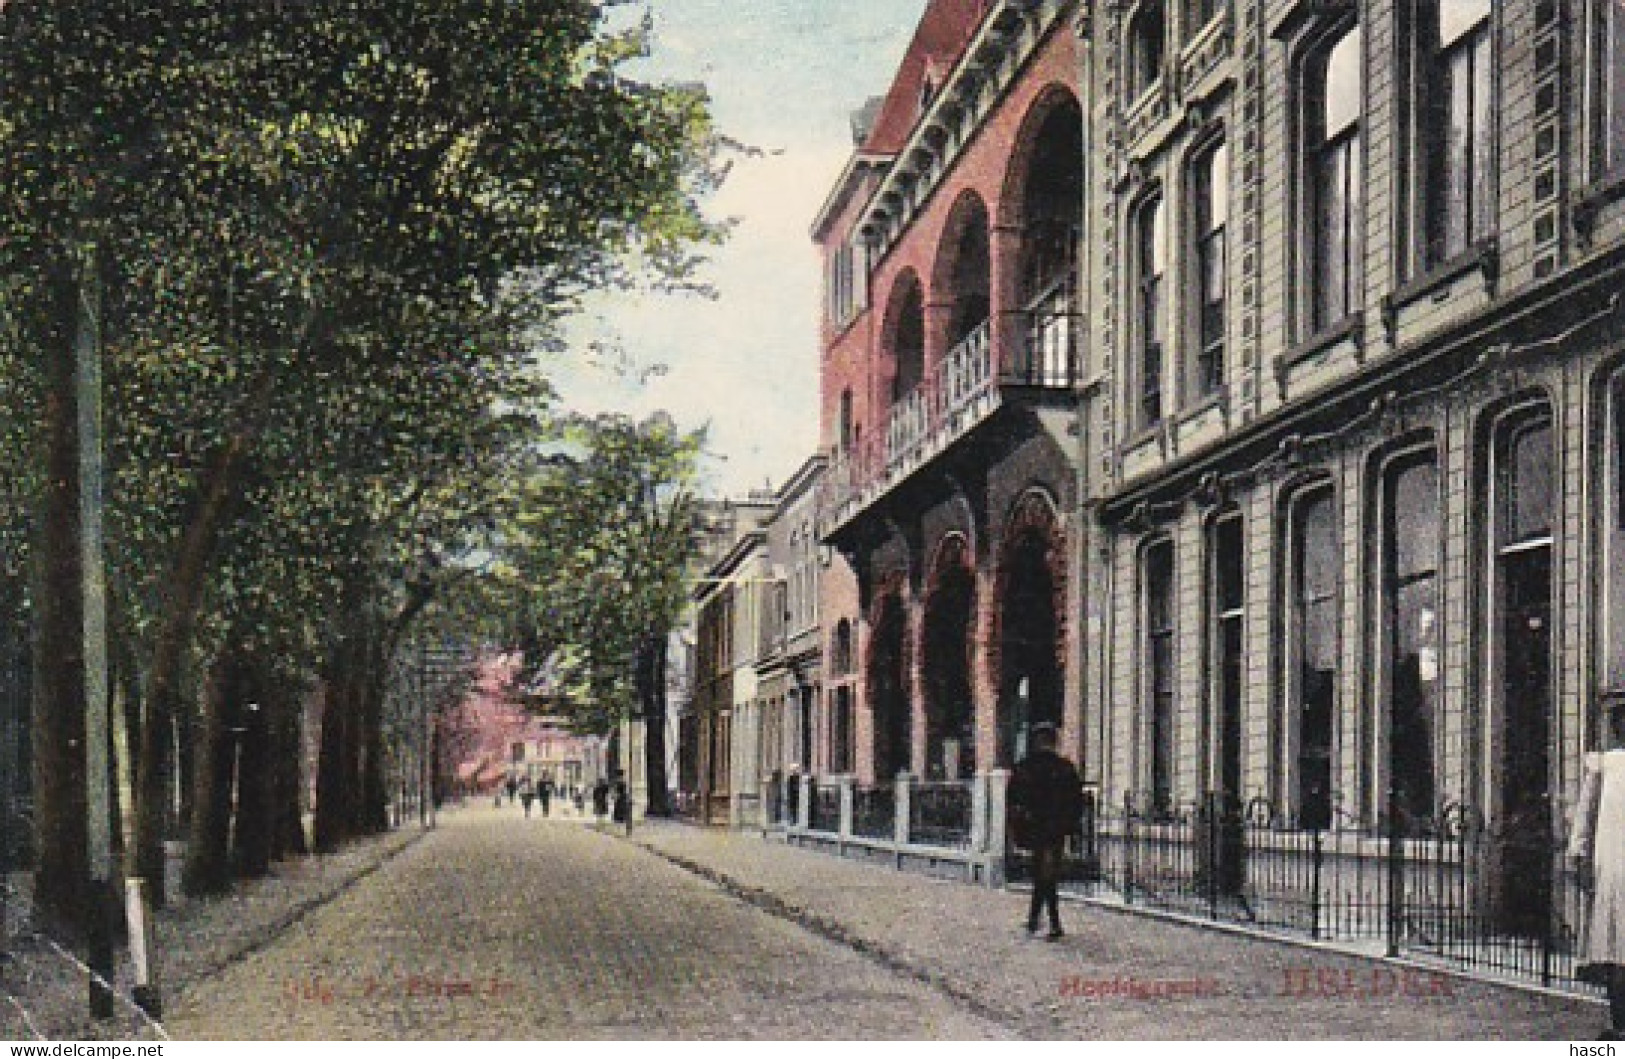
x=621, y=802
x=1045, y=806
x=600, y=799
x=513, y=790
x=526, y=796
x=544, y=791
x=1597, y=857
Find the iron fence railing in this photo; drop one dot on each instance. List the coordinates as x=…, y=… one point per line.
x=824, y=813
x=939, y=814
x=1453, y=887
x=874, y=811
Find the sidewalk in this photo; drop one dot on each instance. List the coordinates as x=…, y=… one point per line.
x=1118, y=975
x=43, y=992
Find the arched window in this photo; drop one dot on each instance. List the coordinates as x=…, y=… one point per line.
x=1605, y=76
x=1209, y=216
x=1332, y=92
x=841, y=650
x=1313, y=566
x=908, y=342
x=1147, y=43
x=1157, y=662
x=1409, y=542
x=1150, y=262
x=1454, y=114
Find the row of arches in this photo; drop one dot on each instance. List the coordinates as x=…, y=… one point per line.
x=965, y=283
x=926, y=717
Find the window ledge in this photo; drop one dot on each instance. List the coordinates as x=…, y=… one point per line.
x=1205, y=34
x=1350, y=327
x=1143, y=100
x=1205, y=404
x=1585, y=203
x=1482, y=257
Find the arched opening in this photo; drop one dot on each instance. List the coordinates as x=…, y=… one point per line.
x=949, y=712
x=1051, y=217
x=888, y=689
x=907, y=338
x=968, y=274
x=1029, y=652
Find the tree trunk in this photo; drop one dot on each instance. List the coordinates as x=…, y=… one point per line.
x=332, y=790
x=183, y=597
x=652, y=701
x=208, y=862
x=59, y=685
x=287, y=775
x=254, y=821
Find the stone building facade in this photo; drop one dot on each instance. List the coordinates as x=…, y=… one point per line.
x=1243, y=385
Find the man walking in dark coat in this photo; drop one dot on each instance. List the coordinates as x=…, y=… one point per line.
x=1046, y=804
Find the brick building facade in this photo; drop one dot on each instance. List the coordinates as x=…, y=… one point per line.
x=1242, y=385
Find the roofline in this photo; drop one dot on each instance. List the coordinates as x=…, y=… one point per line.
x=801, y=481
x=841, y=193
x=716, y=575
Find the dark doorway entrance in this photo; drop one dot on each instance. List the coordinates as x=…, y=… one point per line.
x=1523, y=536
x=949, y=716
x=1029, y=669
x=888, y=690
x=1525, y=825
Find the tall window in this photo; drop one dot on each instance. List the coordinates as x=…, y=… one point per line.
x=840, y=288
x=842, y=736
x=1210, y=212
x=1611, y=561
x=1411, y=633
x=1333, y=88
x=1157, y=584
x=1149, y=265
x=846, y=421
x=1455, y=125
x=1520, y=635
x=1147, y=41
x=1311, y=656
x=1606, y=69
x=1226, y=599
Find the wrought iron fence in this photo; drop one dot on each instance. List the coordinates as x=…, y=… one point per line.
x=939, y=813
x=825, y=811
x=1452, y=886
x=874, y=811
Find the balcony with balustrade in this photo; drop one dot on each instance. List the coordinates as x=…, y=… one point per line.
x=970, y=393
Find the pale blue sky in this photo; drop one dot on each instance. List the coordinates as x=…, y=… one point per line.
x=784, y=76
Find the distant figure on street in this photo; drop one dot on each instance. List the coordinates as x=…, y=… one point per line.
x=580, y=800
x=621, y=812
x=513, y=790
x=526, y=796
x=1045, y=806
x=1597, y=858
x=544, y=791
x=600, y=799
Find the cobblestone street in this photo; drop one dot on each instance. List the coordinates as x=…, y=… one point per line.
x=496, y=926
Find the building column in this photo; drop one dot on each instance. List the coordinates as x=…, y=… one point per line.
x=984, y=678
x=1008, y=318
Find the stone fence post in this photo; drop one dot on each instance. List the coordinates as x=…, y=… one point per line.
x=900, y=820
x=845, y=830
x=998, y=782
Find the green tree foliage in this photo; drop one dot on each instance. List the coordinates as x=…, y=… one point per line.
x=322, y=234
x=599, y=551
